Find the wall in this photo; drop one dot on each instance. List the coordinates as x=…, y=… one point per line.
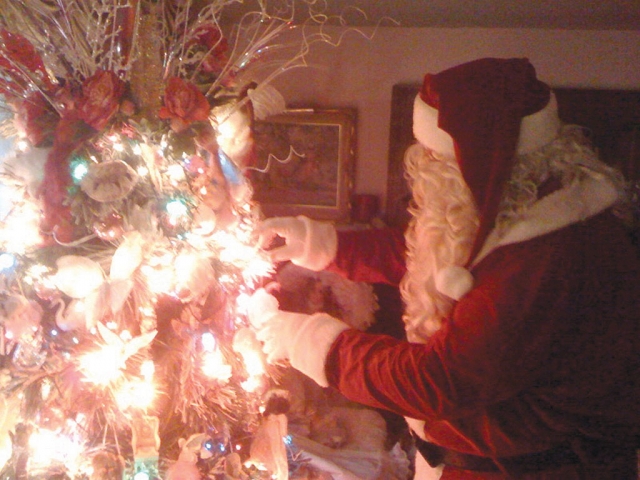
x=361, y=70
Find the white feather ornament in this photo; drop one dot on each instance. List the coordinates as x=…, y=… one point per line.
x=77, y=276
x=127, y=257
x=266, y=101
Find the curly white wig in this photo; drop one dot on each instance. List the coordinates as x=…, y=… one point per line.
x=444, y=218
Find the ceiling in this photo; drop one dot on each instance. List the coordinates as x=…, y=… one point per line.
x=569, y=14
x=549, y=14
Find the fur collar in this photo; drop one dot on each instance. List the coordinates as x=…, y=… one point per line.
x=572, y=204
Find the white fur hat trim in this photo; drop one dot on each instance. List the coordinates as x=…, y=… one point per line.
x=536, y=130
x=454, y=282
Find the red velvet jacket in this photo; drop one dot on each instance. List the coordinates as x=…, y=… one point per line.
x=544, y=350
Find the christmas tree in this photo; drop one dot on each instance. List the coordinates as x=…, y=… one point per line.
x=127, y=242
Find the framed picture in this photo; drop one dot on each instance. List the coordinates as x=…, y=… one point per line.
x=305, y=163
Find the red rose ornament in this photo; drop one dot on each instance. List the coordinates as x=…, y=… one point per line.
x=183, y=104
x=100, y=100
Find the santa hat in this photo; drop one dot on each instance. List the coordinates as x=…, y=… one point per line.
x=485, y=112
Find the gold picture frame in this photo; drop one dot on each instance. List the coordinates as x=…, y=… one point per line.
x=305, y=163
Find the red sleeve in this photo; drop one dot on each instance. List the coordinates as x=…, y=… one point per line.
x=456, y=371
x=545, y=345
x=371, y=256
x=490, y=349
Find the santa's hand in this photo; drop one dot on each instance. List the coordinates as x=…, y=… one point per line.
x=261, y=307
x=308, y=243
x=277, y=334
x=302, y=339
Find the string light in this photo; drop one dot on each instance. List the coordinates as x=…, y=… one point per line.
x=175, y=173
x=177, y=211
x=208, y=342
x=135, y=394
x=79, y=168
x=7, y=261
x=100, y=366
x=215, y=366
x=22, y=145
x=47, y=447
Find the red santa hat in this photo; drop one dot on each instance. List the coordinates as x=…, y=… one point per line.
x=485, y=112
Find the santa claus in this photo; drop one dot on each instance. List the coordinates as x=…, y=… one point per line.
x=521, y=288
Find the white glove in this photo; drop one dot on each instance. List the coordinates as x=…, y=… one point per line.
x=302, y=339
x=308, y=243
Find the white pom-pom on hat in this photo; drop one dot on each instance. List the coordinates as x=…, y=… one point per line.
x=453, y=281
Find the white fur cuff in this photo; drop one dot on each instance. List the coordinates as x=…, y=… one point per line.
x=320, y=245
x=311, y=344
x=536, y=130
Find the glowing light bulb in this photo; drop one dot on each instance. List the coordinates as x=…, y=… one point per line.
x=251, y=384
x=47, y=447
x=175, y=173
x=208, y=342
x=176, y=209
x=214, y=366
x=147, y=369
x=101, y=367
x=22, y=145
x=79, y=170
x=136, y=394
x=7, y=261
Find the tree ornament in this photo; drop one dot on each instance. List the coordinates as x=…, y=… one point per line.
x=109, y=182
x=21, y=317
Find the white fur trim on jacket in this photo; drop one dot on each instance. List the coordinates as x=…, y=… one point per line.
x=572, y=204
x=536, y=130
x=320, y=245
x=311, y=343
x=423, y=471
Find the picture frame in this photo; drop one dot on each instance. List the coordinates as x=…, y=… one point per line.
x=305, y=163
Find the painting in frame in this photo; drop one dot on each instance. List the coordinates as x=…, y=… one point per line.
x=305, y=163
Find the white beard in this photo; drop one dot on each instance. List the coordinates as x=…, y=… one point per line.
x=441, y=232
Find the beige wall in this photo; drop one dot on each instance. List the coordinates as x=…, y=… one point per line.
x=360, y=72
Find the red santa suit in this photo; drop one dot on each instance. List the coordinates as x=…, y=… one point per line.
x=539, y=356
x=542, y=352
x=534, y=374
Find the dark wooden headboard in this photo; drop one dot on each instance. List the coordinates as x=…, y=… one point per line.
x=612, y=118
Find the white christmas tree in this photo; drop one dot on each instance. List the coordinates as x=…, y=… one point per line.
x=127, y=244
